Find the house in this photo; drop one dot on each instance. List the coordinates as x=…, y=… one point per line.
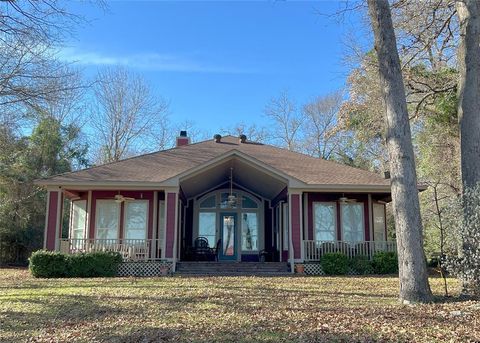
x=225, y=199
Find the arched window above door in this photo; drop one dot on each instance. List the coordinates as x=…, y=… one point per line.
x=208, y=202
x=219, y=200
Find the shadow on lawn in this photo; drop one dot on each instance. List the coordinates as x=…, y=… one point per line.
x=151, y=335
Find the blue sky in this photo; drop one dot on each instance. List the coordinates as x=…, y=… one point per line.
x=219, y=63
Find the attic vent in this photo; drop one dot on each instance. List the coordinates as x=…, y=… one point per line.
x=242, y=138
x=217, y=138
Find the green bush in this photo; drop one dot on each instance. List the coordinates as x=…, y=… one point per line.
x=47, y=264
x=385, y=263
x=334, y=263
x=54, y=264
x=361, y=265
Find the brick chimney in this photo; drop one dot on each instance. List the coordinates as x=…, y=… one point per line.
x=183, y=139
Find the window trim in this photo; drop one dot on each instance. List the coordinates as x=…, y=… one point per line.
x=248, y=211
x=343, y=222
x=384, y=230
x=124, y=231
x=97, y=201
x=70, y=230
x=216, y=220
x=335, y=219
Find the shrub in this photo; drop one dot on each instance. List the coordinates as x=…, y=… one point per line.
x=94, y=264
x=361, y=265
x=48, y=264
x=433, y=262
x=334, y=264
x=385, y=263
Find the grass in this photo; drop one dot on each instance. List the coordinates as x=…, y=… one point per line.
x=225, y=309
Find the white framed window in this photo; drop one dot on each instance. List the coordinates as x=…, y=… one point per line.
x=353, y=223
x=207, y=227
x=79, y=219
x=379, y=223
x=209, y=202
x=107, y=219
x=136, y=219
x=325, y=221
x=248, y=202
x=249, y=231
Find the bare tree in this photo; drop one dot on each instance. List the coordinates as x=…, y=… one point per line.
x=253, y=132
x=319, y=127
x=413, y=277
x=30, y=32
x=286, y=120
x=195, y=133
x=126, y=115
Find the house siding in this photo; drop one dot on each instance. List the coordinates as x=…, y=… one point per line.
x=171, y=204
x=52, y=220
x=296, y=226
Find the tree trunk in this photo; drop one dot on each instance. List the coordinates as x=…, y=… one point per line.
x=469, y=90
x=413, y=277
x=468, y=12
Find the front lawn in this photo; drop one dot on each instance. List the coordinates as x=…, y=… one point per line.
x=225, y=309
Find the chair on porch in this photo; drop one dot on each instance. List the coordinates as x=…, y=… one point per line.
x=201, y=250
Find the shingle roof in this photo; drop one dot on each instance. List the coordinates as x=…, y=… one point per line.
x=163, y=165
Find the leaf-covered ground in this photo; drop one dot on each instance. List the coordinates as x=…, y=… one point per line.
x=226, y=309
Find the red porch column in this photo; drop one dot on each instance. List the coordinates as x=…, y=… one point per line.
x=53, y=219
x=296, y=225
x=171, y=200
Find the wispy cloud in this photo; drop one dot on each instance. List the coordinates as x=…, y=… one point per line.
x=148, y=61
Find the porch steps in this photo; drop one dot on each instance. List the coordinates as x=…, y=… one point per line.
x=232, y=268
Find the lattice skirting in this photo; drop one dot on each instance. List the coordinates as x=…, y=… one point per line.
x=314, y=268
x=145, y=268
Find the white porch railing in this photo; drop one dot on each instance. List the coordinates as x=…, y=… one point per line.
x=314, y=250
x=130, y=249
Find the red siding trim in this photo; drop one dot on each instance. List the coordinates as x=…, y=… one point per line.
x=52, y=220
x=366, y=217
x=310, y=224
x=296, y=229
x=170, y=224
x=385, y=221
x=339, y=221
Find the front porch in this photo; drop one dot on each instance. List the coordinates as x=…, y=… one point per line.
x=150, y=249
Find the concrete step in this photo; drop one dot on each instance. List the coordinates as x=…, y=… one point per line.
x=233, y=268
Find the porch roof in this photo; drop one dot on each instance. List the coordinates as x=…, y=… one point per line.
x=158, y=167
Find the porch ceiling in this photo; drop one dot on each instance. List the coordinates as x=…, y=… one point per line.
x=251, y=177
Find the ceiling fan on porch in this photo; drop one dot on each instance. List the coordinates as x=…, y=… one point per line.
x=120, y=198
x=344, y=200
